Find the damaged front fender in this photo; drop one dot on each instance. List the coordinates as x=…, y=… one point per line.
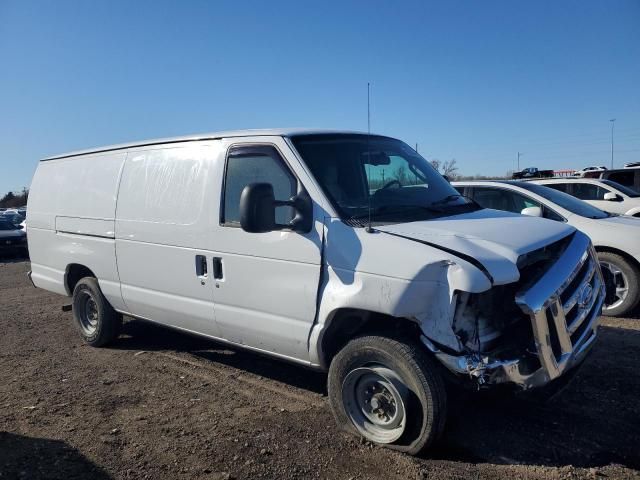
x=374, y=281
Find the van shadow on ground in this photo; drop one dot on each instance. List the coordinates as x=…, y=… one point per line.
x=34, y=458
x=141, y=335
x=592, y=423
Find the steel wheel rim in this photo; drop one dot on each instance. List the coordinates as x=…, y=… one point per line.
x=622, y=285
x=88, y=313
x=374, y=399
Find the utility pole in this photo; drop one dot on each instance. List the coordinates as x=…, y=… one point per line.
x=613, y=122
x=416, y=147
x=519, y=154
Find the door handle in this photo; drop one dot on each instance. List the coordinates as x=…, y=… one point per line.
x=201, y=266
x=217, y=268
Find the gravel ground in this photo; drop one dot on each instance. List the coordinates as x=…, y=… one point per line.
x=161, y=404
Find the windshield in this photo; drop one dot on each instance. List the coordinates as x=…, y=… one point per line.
x=564, y=200
x=626, y=190
x=4, y=225
x=382, y=176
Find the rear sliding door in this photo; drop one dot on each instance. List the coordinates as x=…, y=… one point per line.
x=164, y=216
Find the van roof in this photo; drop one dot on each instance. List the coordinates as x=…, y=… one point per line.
x=280, y=132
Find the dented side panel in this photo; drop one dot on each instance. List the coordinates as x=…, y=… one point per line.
x=359, y=273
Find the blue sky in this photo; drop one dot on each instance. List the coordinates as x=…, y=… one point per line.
x=475, y=81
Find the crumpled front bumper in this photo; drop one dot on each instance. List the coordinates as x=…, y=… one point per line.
x=563, y=306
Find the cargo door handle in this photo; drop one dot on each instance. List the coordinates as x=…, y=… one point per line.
x=201, y=267
x=217, y=268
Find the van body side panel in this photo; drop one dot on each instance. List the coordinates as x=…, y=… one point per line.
x=164, y=216
x=71, y=218
x=267, y=296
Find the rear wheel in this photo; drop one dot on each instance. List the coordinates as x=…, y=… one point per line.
x=97, y=321
x=389, y=392
x=624, y=278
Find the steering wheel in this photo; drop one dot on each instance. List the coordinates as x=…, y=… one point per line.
x=390, y=184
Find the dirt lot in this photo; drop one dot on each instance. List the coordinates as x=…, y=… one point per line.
x=160, y=404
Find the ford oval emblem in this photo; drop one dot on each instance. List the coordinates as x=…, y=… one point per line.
x=585, y=296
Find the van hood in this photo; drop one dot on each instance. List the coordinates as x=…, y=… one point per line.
x=492, y=240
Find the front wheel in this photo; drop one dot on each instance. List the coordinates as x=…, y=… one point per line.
x=624, y=278
x=389, y=392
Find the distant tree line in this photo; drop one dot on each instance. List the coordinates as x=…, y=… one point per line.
x=14, y=199
x=477, y=176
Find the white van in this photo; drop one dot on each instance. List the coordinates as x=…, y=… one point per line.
x=339, y=251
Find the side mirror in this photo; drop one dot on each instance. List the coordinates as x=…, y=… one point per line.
x=532, y=212
x=258, y=210
x=612, y=197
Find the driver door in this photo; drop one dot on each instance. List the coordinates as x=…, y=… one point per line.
x=266, y=284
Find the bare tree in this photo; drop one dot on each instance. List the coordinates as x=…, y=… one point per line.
x=450, y=169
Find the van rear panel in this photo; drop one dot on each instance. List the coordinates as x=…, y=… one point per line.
x=72, y=206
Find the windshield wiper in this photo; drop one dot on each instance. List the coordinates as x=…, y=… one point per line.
x=448, y=198
x=390, y=209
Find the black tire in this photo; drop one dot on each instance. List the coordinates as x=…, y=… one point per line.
x=95, y=318
x=424, y=401
x=628, y=272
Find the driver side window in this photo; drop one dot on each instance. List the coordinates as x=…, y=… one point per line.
x=520, y=202
x=588, y=191
x=506, y=200
x=509, y=201
x=256, y=164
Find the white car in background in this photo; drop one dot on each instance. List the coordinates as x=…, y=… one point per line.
x=580, y=173
x=615, y=238
x=604, y=194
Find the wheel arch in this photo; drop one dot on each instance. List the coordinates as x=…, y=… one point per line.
x=72, y=275
x=622, y=253
x=346, y=324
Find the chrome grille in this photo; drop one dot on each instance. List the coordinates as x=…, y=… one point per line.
x=564, y=305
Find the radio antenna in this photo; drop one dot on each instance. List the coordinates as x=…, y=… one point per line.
x=368, y=229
